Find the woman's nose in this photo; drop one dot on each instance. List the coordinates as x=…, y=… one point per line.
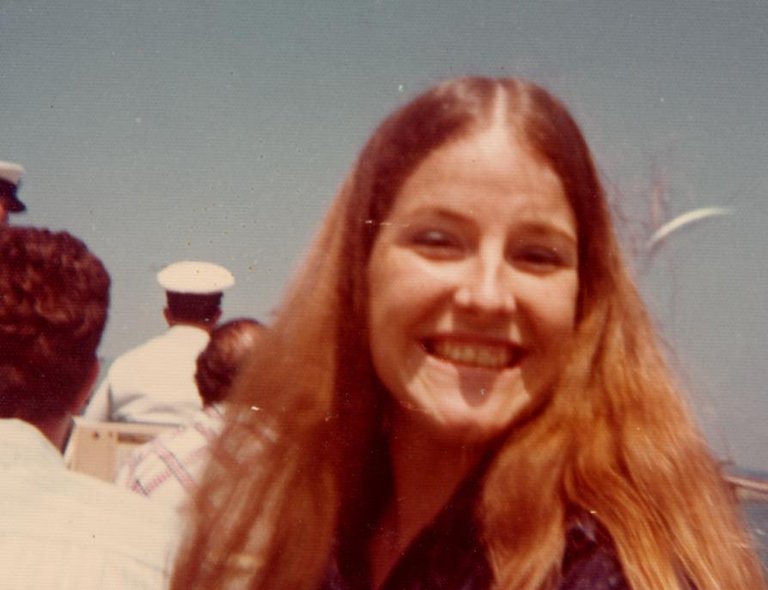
x=485, y=286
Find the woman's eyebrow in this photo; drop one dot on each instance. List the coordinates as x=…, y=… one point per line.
x=546, y=227
x=440, y=210
x=407, y=219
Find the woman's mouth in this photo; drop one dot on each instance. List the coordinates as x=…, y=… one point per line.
x=482, y=355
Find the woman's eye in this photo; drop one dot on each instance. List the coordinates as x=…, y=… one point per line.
x=539, y=257
x=436, y=242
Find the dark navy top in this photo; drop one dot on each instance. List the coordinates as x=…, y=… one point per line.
x=450, y=555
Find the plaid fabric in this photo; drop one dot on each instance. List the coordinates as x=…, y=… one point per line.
x=168, y=468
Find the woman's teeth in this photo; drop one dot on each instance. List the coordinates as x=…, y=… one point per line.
x=489, y=356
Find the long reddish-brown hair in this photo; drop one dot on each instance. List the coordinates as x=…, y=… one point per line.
x=294, y=475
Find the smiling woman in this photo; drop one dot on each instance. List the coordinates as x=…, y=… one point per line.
x=473, y=286
x=465, y=385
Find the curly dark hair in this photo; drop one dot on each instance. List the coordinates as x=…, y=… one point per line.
x=54, y=296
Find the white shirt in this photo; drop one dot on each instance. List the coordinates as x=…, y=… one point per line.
x=154, y=382
x=63, y=530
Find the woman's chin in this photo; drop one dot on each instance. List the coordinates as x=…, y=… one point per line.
x=466, y=429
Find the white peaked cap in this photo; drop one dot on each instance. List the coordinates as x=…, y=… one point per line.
x=11, y=172
x=194, y=277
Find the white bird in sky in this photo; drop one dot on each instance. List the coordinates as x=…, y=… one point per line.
x=681, y=221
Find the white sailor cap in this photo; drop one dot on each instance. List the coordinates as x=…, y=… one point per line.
x=10, y=176
x=195, y=278
x=11, y=172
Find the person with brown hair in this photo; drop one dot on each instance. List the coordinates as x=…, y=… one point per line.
x=168, y=467
x=466, y=388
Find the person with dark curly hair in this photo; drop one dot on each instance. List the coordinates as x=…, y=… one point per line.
x=56, y=524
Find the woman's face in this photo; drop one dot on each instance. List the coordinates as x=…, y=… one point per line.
x=473, y=282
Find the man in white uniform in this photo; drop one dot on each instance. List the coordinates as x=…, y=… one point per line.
x=61, y=529
x=10, y=177
x=154, y=383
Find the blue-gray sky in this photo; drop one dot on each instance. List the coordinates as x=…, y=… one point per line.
x=159, y=130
